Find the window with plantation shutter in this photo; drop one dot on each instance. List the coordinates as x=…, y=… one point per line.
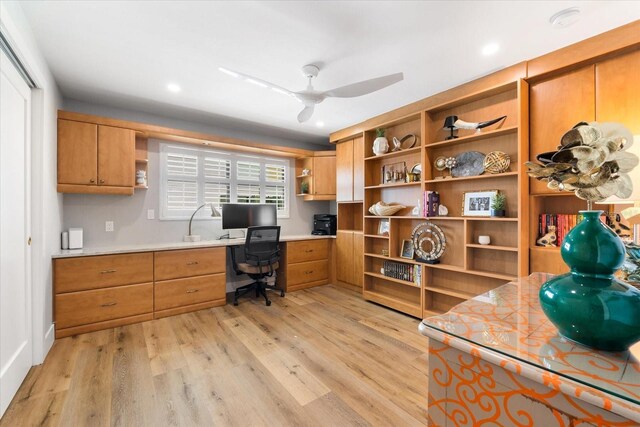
x=191, y=177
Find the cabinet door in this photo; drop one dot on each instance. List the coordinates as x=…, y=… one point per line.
x=116, y=156
x=555, y=106
x=344, y=256
x=618, y=91
x=358, y=258
x=77, y=153
x=358, y=168
x=324, y=175
x=344, y=171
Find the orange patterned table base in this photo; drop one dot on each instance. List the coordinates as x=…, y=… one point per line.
x=465, y=390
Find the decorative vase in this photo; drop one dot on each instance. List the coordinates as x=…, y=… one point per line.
x=589, y=305
x=380, y=145
x=497, y=212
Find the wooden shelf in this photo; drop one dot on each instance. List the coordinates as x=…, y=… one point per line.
x=376, y=236
x=399, y=184
x=470, y=218
x=492, y=247
x=470, y=178
x=545, y=248
x=142, y=161
x=395, y=216
x=458, y=269
x=475, y=137
x=395, y=303
x=395, y=153
x=141, y=187
x=304, y=176
x=391, y=279
x=451, y=292
x=394, y=259
x=433, y=312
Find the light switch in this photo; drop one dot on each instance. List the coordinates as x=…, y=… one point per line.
x=151, y=214
x=108, y=226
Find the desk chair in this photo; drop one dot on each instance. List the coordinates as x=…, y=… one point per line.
x=261, y=260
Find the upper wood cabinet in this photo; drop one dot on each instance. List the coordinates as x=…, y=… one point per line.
x=95, y=158
x=618, y=91
x=555, y=106
x=320, y=180
x=350, y=170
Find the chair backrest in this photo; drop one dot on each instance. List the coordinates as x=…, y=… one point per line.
x=261, y=245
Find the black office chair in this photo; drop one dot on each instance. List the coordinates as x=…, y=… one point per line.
x=261, y=260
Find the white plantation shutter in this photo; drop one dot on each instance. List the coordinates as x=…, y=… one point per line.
x=190, y=177
x=248, y=193
x=248, y=171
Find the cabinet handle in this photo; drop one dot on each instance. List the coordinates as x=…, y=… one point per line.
x=192, y=291
x=192, y=263
x=308, y=272
x=92, y=181
x=108, y=304
x=309, y=250
x=102, y=181
x=107, y=271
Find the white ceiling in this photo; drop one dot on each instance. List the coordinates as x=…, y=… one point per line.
x=126, y=53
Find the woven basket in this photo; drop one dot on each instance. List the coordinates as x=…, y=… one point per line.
x=497, y=162
x=383, y=209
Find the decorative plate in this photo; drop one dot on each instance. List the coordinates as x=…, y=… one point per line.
x=497, y=162
x=429, y=241
x=408, y=141
x=440, y=164
x=470, y=163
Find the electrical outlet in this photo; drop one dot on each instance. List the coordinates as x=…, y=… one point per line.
x=108, y=226
x=151, y=214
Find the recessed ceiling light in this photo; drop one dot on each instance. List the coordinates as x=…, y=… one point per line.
x=172, y=87
x=229, y=72
x=565, y=17
x=490, y=49
x=320, y=124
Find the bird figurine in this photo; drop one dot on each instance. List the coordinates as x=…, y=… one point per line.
x=549, y=239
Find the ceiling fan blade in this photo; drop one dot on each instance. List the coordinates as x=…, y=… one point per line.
x=364, y=87
x=305, y=114
x=256, y=81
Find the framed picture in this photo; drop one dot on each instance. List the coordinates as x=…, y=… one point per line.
x=478, y=203
x=407, y=249
x=383, y=227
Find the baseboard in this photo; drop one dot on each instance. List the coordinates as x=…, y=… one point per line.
x=49, y=338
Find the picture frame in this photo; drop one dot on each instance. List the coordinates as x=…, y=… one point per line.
x=478, y=203
x=383, y=227
x=407, y=251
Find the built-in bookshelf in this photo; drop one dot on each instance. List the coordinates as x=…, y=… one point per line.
x=466, y=268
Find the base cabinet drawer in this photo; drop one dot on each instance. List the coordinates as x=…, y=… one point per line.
x=84, y=307
x=193, y=290
x=94, y=272
x=189, y=262
x=307, y=250
x=306, y=272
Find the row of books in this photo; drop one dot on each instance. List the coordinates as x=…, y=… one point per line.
x=563, y=223
x=408, y=272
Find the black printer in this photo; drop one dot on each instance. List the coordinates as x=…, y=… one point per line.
x=324, y=224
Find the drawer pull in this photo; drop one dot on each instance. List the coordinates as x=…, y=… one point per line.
x=108, y=304
x=192, y=291
x=192, y=263
x=107, y=271
x=308, y=272
x=309, y=251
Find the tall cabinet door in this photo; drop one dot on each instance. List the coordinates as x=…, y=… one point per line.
x=344, y=171
x=358, y=258
x=77, y=153
x=555, y=106
x=344, y=261
x=324, y=167
x=358, y=169
x=618, y=91
x=116, y=156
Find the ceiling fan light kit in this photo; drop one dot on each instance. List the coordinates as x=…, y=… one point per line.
x=311, y=97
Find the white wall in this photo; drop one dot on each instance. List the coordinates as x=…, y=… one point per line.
x=46, y=202
x=129, y=213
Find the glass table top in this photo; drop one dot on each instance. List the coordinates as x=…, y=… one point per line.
x=509, y=320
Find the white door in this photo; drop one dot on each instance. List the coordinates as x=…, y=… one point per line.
x=15, y=277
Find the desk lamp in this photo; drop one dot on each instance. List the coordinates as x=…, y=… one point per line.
x=195, y=237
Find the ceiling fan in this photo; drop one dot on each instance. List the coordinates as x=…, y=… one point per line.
x=310, y=97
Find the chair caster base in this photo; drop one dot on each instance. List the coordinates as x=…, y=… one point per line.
x=281, y=294
x=268, y=303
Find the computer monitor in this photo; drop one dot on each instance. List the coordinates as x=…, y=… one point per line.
x=237, y=215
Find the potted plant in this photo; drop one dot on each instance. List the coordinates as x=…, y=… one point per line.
x=380, y=144
x=304, y=187
x=498, y=204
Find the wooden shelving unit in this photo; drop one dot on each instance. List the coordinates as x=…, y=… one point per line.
x=467, y=268
x=142, y=160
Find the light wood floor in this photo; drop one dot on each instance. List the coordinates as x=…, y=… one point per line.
x=319, y=357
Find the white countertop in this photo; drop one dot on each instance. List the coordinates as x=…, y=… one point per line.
x=152, y=247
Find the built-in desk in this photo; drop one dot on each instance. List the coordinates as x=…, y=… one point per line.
x=99, y=288
x=496, y=359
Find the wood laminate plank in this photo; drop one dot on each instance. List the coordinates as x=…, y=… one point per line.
x=323, y=357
